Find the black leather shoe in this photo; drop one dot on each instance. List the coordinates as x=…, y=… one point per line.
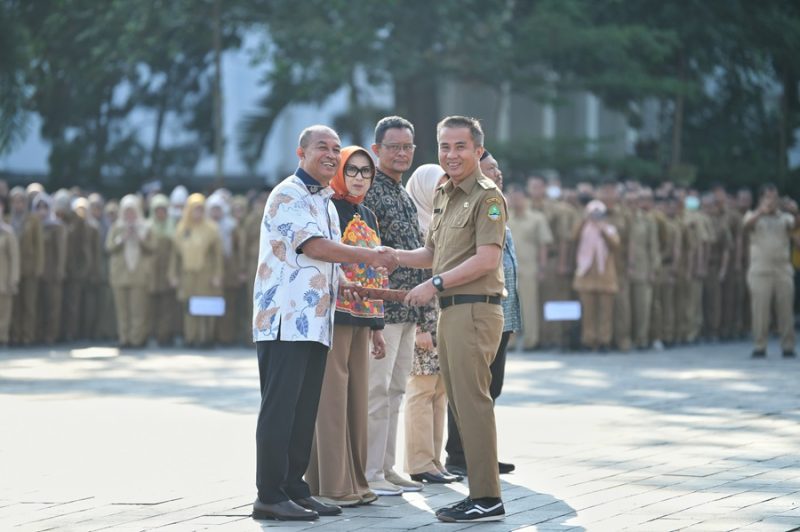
x=457, y=469
x=283, y=511
x=310, y=503
x=505, y=468
x=453, y=478
x=789, y=354
x=431, y=478
x=759, y=353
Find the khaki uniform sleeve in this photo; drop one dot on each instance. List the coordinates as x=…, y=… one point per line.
x=544, y=236
x=14, y=258
x=38, y=247
x=654, y=244
x=217, y=260
x=490, y=226
x=61, y=253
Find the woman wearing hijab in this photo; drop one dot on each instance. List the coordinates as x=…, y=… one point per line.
x=51, y=285
x=164, y=312
x=426, y=401
x=218, y=209
x=28, y=231
x=596, y=275
x=129, y=245
x=339, y=454
x=195, y=268
x=9, y=276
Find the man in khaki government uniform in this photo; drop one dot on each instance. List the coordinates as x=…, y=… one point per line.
x=744, y=202
x=555, y=285
x=770, y=276
x=663, y=322
x=619, y=218
x=643, y=263
x=532, y=248
x=9, y=276
x=698, y=227
x=719, y=253
x=731, y=284
x=28, y=230
x=464, y=248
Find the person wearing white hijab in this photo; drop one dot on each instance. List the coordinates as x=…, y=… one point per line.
x=130, y=245
x=426, y=400
x=177, y=201
x=218, y=209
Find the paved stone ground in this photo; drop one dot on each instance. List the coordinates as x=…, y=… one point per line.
x=690, y=439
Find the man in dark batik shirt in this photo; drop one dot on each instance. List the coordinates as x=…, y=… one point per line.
x=397, y=217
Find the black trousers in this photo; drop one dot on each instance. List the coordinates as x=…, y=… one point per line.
x=454, y=448
x=291, y=380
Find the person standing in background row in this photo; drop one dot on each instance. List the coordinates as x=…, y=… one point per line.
x=532, y=244
x=130, y=245
x=251, y=235
x=664, y=324
x=242, y=329
x=643, y=264
x=164, y=311
x=78, y=259
x=426, y=399
x=9, y=276
x=54, y=236
x=28, y=231
x=770, y=276
x=195, y=268
x=743, y=324
x=218, y=210
x=720, y=249
x=596, y=275
x=89, y=298
x=106, y=327
x=730, y=285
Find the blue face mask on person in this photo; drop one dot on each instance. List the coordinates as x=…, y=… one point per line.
x=692, y=203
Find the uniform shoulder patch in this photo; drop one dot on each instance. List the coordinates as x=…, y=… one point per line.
x=494, y=212
x=486, y=183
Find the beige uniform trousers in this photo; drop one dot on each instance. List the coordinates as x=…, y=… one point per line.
x=198, y=330
x=228, y=326
x=89, y=308
x=596, y=318
x=469, y=336
x=24, y=319
x=387, y=385
x=339, y=452
x=664, y=318
x=49, y=311
x=131, y=303
x=164, y=316
x=641, y=309
x=6, y=306
x=712, y=305
x=622, y=315
x=426, y=408
x=694, y=310
x=767, y=290
x=71, y=309
x=528, y=288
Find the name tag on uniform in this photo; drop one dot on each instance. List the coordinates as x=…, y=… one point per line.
x=562, y=311
x=213, y=306
x=437, y=211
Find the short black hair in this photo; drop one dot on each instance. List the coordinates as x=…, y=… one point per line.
x=766, y=187
x=391, y=122
x=456, y=121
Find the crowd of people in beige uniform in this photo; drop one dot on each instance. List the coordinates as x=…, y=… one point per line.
x=681, y=266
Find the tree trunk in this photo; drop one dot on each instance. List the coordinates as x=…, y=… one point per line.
x=219, y=144
x=677, y=119
x=417, y=99
x=155, y=151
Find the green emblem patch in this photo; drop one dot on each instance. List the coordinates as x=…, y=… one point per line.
x=494, y=212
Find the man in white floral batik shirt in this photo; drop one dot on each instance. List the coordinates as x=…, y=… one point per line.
x=294, y=299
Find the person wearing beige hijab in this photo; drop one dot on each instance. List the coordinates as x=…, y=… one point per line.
x=218, y=209
x=165, y=314
x=426, y=400
x=130, y=245
x=9, y=276
x=28, y=231
x=196, y=269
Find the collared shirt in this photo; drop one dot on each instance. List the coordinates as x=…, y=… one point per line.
x=770, y=243
x=294, y=296
x=511, y=311
x=465, y=217
x=399, y=226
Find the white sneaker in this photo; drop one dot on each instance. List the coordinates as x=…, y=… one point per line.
x=384, y=487
x=406, y=485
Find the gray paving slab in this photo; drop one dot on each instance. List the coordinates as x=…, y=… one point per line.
x=699, y=438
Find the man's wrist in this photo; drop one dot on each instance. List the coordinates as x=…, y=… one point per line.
x=438, y=283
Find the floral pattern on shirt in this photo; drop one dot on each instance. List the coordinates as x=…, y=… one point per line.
x=358, y=233
x=399, y=224
x=293, y=294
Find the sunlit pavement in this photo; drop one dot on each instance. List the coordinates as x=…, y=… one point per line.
x=699, y=438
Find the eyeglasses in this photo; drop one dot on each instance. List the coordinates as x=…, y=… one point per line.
x=366, y=172
x=395, y=148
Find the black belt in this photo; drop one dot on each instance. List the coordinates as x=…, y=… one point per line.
x=462, y=299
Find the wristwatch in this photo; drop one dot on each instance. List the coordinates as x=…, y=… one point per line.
x=438, y=283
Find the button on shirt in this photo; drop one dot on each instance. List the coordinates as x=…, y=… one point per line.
x=294, y=295
x=466, y=216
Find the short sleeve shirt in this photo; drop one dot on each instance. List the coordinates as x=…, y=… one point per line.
x=294, y=296
x=465, y=217
x=770, y=243
x=531, y=232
